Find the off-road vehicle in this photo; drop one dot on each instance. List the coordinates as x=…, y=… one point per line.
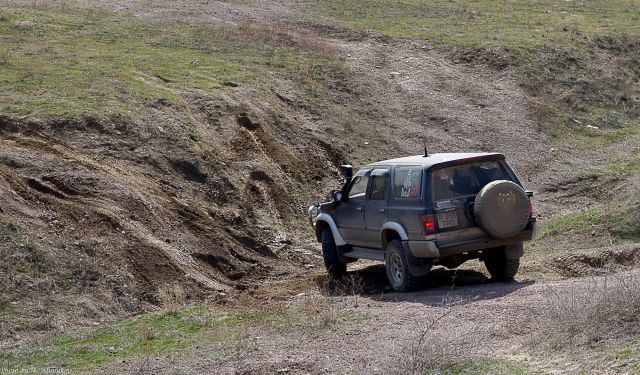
x=419, y=211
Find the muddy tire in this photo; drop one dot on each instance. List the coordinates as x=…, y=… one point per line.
x=332, y=262
x=501, y=268
x=501, y=209
x=397, y=266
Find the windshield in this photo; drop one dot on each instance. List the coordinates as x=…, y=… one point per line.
x=465, y=179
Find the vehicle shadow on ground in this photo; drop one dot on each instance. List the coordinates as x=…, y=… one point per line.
x=441, y=287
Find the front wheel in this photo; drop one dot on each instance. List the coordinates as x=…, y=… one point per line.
x=499, y=266
x=332, y=262
x=397, y=266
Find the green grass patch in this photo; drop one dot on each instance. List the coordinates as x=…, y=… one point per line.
x=217, y=331
x=628, y=353
x=628, y=168
x=517, y=25
x=485, y=367
x=66, y=61
x=616, y=222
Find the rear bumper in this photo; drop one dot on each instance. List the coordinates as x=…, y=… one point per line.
x=430, y=249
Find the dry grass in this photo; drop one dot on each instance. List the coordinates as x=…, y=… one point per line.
x=433, y=349
x=348, y=285
x=320, y=310
x=605, y=309
x=61, y=5
x=172, y=297
x=285, y=34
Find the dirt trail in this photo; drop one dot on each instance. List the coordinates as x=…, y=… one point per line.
x=420, y=94
x=474, y=318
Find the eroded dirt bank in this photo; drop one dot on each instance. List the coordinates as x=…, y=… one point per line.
x=118, y=210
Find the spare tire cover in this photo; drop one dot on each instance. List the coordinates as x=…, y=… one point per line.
x=502, y=209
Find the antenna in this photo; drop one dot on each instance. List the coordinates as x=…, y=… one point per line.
x=424, y=143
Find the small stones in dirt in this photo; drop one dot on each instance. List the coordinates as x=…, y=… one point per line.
x=231, y=84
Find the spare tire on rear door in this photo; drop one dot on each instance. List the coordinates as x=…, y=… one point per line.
x=502, y=209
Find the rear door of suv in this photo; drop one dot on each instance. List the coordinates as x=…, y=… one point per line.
x=454, y=190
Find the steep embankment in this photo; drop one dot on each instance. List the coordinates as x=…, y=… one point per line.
x=118, y=210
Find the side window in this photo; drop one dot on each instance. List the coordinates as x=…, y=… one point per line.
x=408, y=182
x=358, y=187
x=378, y=186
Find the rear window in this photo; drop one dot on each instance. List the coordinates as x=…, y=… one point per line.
x=465, y=179
x=407, y=182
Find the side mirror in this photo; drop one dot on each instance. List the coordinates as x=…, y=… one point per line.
x=337, y=197
x=347, y=171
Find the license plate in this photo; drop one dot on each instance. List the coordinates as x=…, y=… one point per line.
x=447, y=219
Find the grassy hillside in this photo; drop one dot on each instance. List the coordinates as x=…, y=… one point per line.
x=578, y=60
x=63, y=60
x=518, y=26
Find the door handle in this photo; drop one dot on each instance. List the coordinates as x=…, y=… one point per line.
x=359, y=209
x=381, y=210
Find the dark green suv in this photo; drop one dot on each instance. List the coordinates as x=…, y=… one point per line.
x=418, y=211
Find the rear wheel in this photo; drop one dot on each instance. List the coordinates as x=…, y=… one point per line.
x=397, y=266
x=500, y=268
x=332, y=262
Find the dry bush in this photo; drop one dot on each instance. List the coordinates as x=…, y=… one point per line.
x=433, y=348
x=352, y=285
x=319, y=310
x=172, y=297
x=348, y=285
x=603, y=309
x=148, y=334
x=284, y=34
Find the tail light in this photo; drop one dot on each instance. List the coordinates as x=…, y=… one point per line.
x=530, y=209
x=428, y=224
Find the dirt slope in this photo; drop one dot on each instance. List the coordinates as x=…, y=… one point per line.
x=124, y=209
